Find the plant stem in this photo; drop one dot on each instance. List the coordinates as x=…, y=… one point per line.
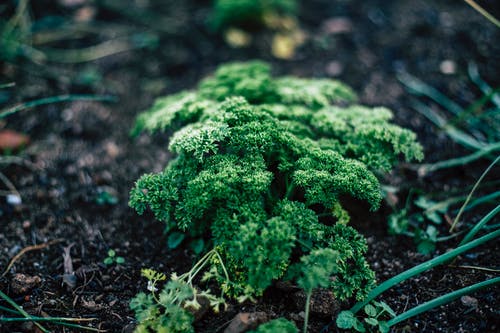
x=308, y=306
x=479, y=225
x=55, y=99
x=21, y=311
x=426, y=168
x=441, y=300
x=472, y=192
x=422, y=268
x=483, y=12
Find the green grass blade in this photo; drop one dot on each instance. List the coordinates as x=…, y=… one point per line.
x=422, y=268
x=457, y=218
x=481, y=200
x=426, y=168
x=485, y=88
x=422, y=89
x=483, y=12
x=21, y=311
x=454, y=133
x=480, y=225
x=441, y=301
x=55, y=99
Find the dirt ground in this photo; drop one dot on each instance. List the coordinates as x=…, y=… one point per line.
x=81, y=158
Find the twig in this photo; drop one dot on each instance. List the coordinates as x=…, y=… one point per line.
x=28, y=249
x=478, y=268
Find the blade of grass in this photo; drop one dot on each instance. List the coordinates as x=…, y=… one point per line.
x=485, y=88
x=7, y=85
x=424, y=169
x=90, y=53
x=483, y=199
x=483, y=12
x=480, y=225
x=55, y=99
x=460, y=212
x=457, y=135
x=21, y=311
x=422, y=89
x=439, y=260
x=441, y=301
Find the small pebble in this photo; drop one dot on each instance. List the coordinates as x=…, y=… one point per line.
x=448, y=67
x=14, y=199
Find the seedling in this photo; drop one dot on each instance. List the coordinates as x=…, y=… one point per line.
x=112, y=258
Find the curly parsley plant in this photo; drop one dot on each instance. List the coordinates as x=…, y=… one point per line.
x=261, y=169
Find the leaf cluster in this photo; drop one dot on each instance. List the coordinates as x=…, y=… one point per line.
x=261, y=168
x=373, y=322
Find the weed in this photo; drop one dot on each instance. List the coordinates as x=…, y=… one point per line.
x=112, y=258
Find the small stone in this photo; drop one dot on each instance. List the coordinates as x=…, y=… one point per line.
x=334, y=68
x=448, y=67
x=245, y=321
x=22, y=284
x=337, y=25
x=469, y=301
x=14, y=199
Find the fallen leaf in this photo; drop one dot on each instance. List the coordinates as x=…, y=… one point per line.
x=11, y=140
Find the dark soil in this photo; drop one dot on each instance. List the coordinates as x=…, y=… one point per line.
x=80, y=150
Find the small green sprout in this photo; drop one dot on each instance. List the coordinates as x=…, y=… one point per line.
x=375, y=313
x=112, y=258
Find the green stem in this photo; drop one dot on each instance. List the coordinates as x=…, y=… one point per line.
x=308, y=306
x=55, y=99
x=480, y=225
x=483, y=12
x=426, y=168
x=21, y=311
x=486, y=198
x=441, y=300
x=422, y=268
x=472, y=192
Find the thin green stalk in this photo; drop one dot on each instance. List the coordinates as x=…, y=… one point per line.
x=422, y=268
x=426, y=168
x=308, y=306
x=483, y=12
x=472, y=192
x=55, y=99
x=7, y=85
x=53, y=320
x=480, y=225
x=441, y=300
x=50, y=319
x=483, y=199
x=485, y=88
x=21, y=311
x=3, y=308
x=420, y=88
x=454, y=133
